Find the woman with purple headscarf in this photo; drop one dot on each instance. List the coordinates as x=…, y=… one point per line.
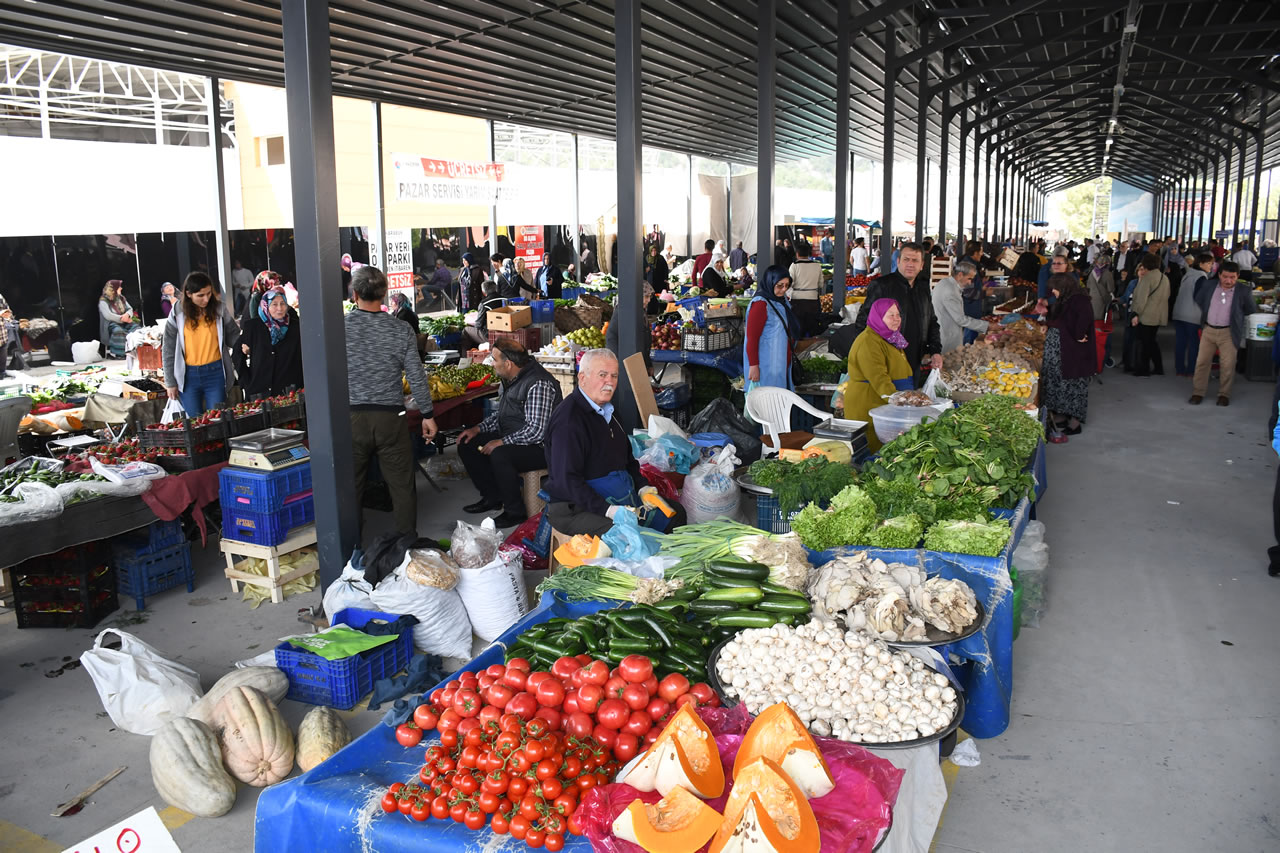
x=877, y=365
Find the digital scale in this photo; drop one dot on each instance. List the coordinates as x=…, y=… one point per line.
x=269, y=450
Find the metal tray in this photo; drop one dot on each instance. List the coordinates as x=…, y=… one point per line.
x=934, y=637
x=714, y=680
x=267, y=440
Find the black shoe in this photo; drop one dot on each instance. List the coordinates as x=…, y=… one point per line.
x=508, y=520
x=482, y=505
x=1074, y=430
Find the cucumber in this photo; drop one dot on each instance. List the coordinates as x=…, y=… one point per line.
x=699, y=606
x=771, y=588
x=692, y=650
x=623, y=646
x=745, y=619
x=737, y=595
x=783, y=604
x=739, y=569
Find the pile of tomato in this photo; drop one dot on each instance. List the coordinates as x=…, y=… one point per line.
x=519, y=749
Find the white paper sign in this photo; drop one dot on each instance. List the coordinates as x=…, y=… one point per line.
x=142, y=833
x=394, y=256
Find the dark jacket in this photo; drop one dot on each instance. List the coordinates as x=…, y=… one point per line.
x=1074, y=321
x=645, y=335
x=713, y=284
x=919, y=323
x=511, y=407
x=1242, y=305
x=581, y=447
x=656, y=272
x=505, y=287
x=269, y=369
x=408, y=316
x=555, y=280
x=471, y=286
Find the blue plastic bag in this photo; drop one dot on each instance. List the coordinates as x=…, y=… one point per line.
x=625, y=540
x=671, y=453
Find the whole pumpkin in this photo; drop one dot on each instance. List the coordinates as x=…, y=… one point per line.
x=257, y=745
x=321, y=734
x=186, y=767
x=269, y=679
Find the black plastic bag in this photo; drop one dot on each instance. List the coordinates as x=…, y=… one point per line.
x=721, y=416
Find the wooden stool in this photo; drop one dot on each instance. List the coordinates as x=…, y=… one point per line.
x=532, y=485
x=299, y=538
x=557, y=539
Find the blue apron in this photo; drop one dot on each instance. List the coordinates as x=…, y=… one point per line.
x=617, y=488
x=774, y=346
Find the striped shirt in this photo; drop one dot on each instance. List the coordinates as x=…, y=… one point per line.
x=380, y=350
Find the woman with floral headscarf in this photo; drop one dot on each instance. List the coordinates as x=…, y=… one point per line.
x=264, y=281
x=117, y=318
x=877, y=365
x=402, y=310
x=269, y=355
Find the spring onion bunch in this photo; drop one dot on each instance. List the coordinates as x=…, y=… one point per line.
x=595, y=583
x=698, y=545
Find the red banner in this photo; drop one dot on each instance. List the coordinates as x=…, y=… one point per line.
x=529, y=244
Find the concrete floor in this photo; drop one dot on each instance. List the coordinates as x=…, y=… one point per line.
x=1144, y=711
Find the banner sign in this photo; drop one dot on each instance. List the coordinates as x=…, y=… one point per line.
x=394, y=256
x=459, y=182
x=529, y=244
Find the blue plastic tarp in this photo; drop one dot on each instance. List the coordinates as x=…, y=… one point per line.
x=728, y=362
x=337, y=806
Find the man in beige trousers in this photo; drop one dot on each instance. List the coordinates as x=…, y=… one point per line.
x=1224, y=307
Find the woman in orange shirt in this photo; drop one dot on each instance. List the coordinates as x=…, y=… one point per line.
x=197, y=347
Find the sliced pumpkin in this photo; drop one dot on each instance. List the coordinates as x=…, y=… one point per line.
x=778, y=734
x=685, y=756
x=581, y=549
x=678, y=823
x=766, y=811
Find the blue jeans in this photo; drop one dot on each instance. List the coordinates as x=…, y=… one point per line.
x=1186, y=346
x=203, y=388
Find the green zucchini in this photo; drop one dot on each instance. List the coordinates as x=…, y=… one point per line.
x=701, y=606
x=737, y=595
x=714, y=581
x=678, y=662
x=623, y=646
x=771, y=588
x=745, y=619
x=783, y=604
x=685, y=647
x=660, y=629
x=740, y=569
x=630, y=630
x=674, y=606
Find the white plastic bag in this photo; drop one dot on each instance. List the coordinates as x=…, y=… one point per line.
x=660, y=426
x=351, y=589
x=710, y=491
x=172, y=409
x=935, y=387
x=495, y=595
x=38, y=503
x=139, y=688
x=443, y=627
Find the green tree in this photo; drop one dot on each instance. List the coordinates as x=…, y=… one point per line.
x=1076, y=209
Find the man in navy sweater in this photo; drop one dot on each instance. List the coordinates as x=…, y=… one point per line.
x=592, y=471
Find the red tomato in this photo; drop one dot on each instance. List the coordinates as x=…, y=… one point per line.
x=570, y=704
x=553, y=822
x=613, y=687
x=613, y=714
x=523, y=705
x=466, y=783
x=535, y=837
x=535, y=678
x=509, y=722
x=703, y=693
x=529, y=807
x=518, y=788
x=518, y=826
x=469, y=680
x=554, y=842
x=596, y=672
x=449, y=720
x=488, y=802
x=635, y=696
x=605, y=736
x=685, y=699
x=467, y=702
x=651, y=685
x=546, y=769
x=458, y=812
x=474, y=818
x=489, y=714
x=589, y=698
x=468, y=724
x=565, y=804
x=553, y=717
x=551, y=788
x=673, y=686
x=499, y=695
x=575, y=680
x=515, y=679
x=638, y=724
x=651, y=735
x=582, y=659
x=440, y=808
x=564, y=667
x=499, y=824
x=449, y=739
x=425, y=718
x=535, y=750
x=446, y=698
x=486, y=681
x=435, y=696
x=468, y=756
x=578, y=725
x=635, y=668
x=575, y=828
x=404, y=804
x=537, y=728
x=715, y=700
x=420, y=810
x=389, y=803
x=496, y=670
x=520, y=664
x=657, y=708
x=408, y=734
x=550, y=693
x=626, y=746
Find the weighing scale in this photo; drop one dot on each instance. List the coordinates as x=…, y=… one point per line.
x=269, y=450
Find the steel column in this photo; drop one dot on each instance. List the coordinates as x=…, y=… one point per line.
x=577, y=215
x=688, y=231
x=630, y=171
x=844, y=40
x=977, y=173
x=964, y=141
x=1235, y=231
x=493, y=208
x=923, y=97
x=890, y=109
x=1255, y=230
x=986, y=202
x=378, y=245
x=766, y=72
x=312, y=173
x=1226, y=188
x=213, y=88
x=1213, y=197
x=944, y=157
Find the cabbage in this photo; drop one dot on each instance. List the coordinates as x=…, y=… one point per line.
x=904, y=531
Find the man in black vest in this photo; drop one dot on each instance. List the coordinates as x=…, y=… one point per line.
x=510, y=441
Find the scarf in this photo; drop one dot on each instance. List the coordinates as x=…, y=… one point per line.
x=781, y=304
x=875, y=322
x=113, y=295
x=278, y=328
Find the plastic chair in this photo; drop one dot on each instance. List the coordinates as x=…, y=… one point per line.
x=12, y=411
x=771, y=407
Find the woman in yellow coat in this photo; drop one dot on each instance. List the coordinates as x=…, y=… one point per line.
x=877, y=367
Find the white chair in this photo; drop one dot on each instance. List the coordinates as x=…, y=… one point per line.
x=771, y=407
x=12, y=411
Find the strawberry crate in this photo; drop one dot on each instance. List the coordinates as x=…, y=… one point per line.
x=182, y=433
x=263, y=491
x=148, y=574
x=530, y=337
x=701, y=340
x=189, y=460
x=342, y=683
x=283, y=409
x=76, y=596
x=267, y=528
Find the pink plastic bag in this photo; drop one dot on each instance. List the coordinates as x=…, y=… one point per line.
x=533, y=562
x=853, y=818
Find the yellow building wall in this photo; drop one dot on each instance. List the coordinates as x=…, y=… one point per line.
x=260, y=113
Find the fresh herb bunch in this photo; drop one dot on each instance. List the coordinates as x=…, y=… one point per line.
x=847, y=522
x=794, y=484
x=1005, y=420
x=819, y=369
x=976, y=536
x=442, y=325
x=904, y=531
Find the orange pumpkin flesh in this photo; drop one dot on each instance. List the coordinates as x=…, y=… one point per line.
x=678, y=823
x=778, y=734
x=766, y=806
x=684, y=755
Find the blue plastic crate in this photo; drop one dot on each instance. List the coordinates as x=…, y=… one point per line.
x=452, y=340
x=159, y=536
x=266, y=528
x=342, y=683
x=148, y=574
x=769, y=516
x=263, y=491
x=544, y=310
x=571, y=292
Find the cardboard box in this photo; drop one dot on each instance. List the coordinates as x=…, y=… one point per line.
x=130, y=391
x=509, y=318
